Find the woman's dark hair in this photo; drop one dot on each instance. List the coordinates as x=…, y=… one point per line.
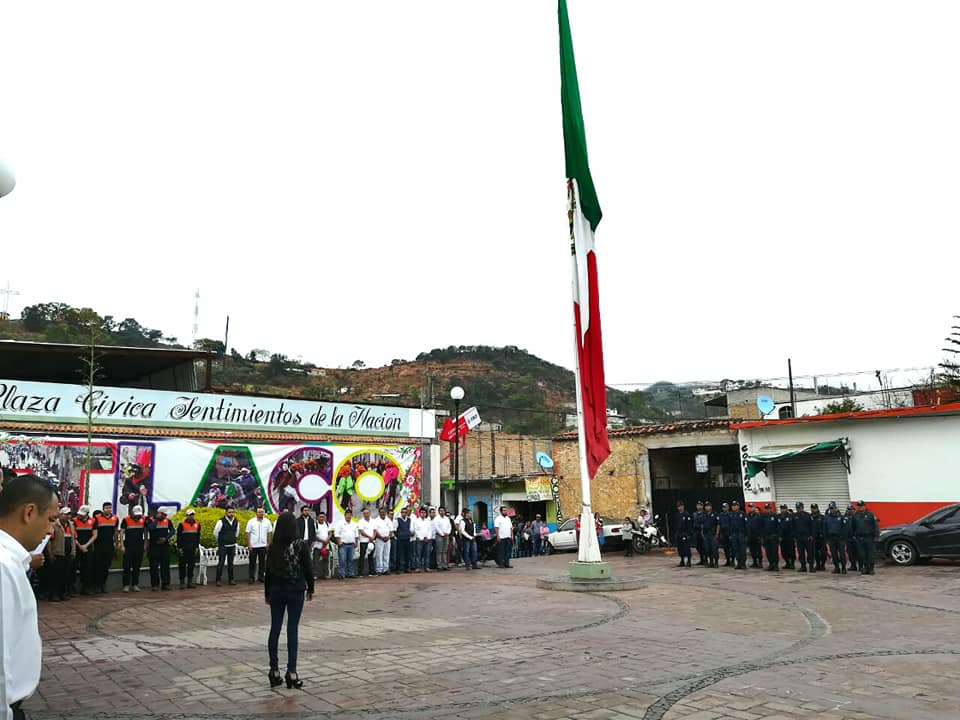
x=284, y=533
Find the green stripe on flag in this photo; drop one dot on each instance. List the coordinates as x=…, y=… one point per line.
x=574, y=135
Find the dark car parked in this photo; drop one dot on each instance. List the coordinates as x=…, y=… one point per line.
x=933, y=535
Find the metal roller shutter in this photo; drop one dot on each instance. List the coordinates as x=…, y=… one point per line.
x=814, y=478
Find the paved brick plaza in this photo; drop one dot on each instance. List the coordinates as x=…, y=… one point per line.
x=696, y=644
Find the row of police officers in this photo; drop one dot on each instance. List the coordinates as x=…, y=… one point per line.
x=848, y=539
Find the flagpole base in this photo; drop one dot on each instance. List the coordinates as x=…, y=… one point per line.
x=589, y=570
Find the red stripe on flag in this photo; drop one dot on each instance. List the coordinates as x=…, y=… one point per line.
x=593, y=387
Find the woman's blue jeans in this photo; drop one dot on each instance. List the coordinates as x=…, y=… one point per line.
x=290, y=603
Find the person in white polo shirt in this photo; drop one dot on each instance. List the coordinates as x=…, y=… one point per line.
x=422, y=530
x=383, y=533
x=324, y=550
x=347, y=541
x=28, y=509
x=504, y=528
x=259, y=531
x=368, y=537
x=442, y=526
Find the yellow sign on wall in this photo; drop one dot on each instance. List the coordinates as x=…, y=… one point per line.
x=538, y=489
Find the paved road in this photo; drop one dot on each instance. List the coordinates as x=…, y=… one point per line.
x=698, y=644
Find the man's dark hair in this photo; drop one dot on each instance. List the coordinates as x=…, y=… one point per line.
x=107, y=503
x=25, y=489
x=8, y=475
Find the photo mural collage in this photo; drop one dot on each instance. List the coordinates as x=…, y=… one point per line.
x=180, y=473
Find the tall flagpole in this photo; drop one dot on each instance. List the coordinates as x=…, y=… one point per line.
x=589, y=548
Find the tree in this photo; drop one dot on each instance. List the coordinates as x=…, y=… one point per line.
x=847, y=405
x=357, y=364
x=278, y=365
x=92, y=371
x=950, y=367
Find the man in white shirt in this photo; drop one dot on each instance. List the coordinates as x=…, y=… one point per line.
x=504, y=528
x=442, y=527
x=383, y=532
x=259, y=531
x=347, y=540
x=422, y=529
x=28, y=509
x=368, y=536
x=324, y=555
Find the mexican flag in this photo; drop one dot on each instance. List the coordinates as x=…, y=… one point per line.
x=583, y=210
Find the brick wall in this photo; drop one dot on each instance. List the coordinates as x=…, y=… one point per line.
x=615, y=488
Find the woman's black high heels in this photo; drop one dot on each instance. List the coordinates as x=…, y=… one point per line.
x=293, y=680
x=275, y=678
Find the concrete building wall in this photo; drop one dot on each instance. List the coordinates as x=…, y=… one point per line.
x=902, y=467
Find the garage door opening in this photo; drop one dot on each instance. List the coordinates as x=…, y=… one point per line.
x=707, y=472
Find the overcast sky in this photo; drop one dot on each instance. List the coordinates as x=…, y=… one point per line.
x=369, y=180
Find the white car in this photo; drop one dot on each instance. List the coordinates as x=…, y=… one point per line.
x=565, y=536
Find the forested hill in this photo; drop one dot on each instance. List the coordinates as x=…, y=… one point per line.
x=507, y=384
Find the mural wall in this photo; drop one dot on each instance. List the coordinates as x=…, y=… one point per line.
x=180, y=472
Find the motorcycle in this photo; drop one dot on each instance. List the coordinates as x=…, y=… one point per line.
x=649, y=536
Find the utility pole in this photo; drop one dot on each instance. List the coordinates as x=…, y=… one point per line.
x=226, y=337
x=196, y=315
x=793, y=396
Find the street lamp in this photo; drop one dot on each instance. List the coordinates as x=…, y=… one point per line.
x=456, y=394
x=7, y=179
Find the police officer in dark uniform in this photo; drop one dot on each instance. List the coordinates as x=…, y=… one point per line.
x=710, y=527
x=867, y=530
x=698, y=532
x=788, y=546
x=835, y=532
x=819, y=541
x=83, y=525
x=803, y=533
x=725, y=542
x=159, y=530
x=683, y=534
x=851, y=539
x=738, y=535
x=755, y=536
x=771, y=537
x=104, y=546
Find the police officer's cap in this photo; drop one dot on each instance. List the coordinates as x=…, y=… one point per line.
x=832, y=505
x=850, y=506
x=708, y=504
x=736, y=503
x=783, y=506
x=726, y=505
x=799, y=505
x=860, y=503
x=679, y=503
x=699, y=502
x=766, y=506
x=814, y=505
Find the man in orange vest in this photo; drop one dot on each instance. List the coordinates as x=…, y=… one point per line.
x=83, y=526
x=188, y=542
x=158, y=532
x=104, y=546
x=131, y=545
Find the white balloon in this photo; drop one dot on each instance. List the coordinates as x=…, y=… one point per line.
x=7, y=179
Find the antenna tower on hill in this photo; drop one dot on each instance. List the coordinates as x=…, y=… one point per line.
x=196, y=315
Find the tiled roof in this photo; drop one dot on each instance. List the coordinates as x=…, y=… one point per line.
x=922, y=411
x=681, y=426
x=216, y=435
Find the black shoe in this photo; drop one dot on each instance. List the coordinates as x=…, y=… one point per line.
x=275, y=678
x=682, y=564
x=843, y=570
x=293, y=681
x=232, y=582
x=250, y=581
x=802, y=568
x=870, y=572
x=836, y=571
x=218, y=583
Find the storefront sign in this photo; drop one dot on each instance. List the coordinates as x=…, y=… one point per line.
x=702, y=463
x=52, y=402
x=538, y=489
